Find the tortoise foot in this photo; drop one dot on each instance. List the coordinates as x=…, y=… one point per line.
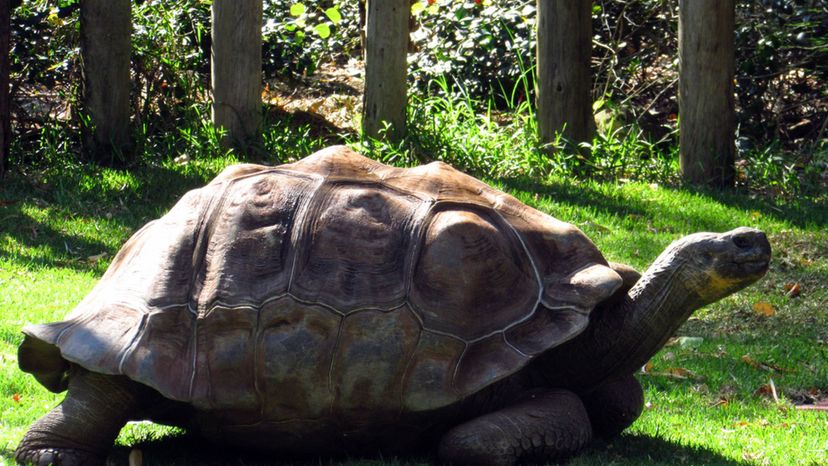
x=56, y=457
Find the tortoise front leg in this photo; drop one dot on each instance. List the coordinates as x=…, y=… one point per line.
x=81, y=429
x=614, y=406
x=547, y=426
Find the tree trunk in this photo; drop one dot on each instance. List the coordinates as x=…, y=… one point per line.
x=5, y=97
x=105, y=27
x=237, y=71
x=706, y=70
x=563, y=55
x=386, y=67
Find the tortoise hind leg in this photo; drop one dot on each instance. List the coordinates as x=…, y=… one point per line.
x=82, y=428
x=547, y=426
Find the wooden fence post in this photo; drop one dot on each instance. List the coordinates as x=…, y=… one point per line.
x=236, y=66
x=706, y=70
x=105, y=42
x=563, y=58
x=386, y=67
x=5, y=97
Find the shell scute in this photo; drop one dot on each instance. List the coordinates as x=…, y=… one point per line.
x=428, y=381
x=163, y=352
x=472, y=276
x=370, y=360
x=296, y=343
x=248, y=250
x=224, y=376
x=485, y=361
x=355, y=248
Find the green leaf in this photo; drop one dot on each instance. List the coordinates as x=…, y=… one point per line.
x=417, y=8
x=597, y=105
x=297, y=9
x=333, y=15
x=323, y=30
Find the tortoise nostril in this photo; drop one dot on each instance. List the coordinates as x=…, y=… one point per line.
x=743, y=241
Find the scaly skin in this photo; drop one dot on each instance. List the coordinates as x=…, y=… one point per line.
x=82, y=429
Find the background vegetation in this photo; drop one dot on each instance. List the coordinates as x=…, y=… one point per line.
x=730, y=394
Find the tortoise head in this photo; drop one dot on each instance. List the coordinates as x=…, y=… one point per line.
x=625, y=333
x=692, y=272
x=715, y=265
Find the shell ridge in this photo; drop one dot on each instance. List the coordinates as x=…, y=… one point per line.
x=457, y=365
x=297, y=234
x=528, y=254
x=134, y=341
x=194, y=371
x=418, y=231
x=206, y=221
x=257, y=376
x=331, y=390
x=513, y=347
x=410, y=360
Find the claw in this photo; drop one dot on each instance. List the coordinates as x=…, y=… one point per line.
x=56, y=457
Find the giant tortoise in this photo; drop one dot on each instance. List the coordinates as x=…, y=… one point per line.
x=340, y=306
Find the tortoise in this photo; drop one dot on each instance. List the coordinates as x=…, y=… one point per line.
x=337, y=305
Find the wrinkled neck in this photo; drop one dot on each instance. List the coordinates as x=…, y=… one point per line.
x=623, y=335
x=661, y=301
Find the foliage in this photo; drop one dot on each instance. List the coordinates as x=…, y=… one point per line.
x=480, y=44
x=44, y=58
x=170, y=64
x=783, y=67
x=473, y=68
x=299, y=35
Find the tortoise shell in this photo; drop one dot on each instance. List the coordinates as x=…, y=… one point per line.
x=327, y=286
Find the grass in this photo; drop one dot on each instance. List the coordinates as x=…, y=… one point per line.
x=707, y=403
x=53, y=237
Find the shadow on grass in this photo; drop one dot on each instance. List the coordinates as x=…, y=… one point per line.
x=627, y=450
x=802, y=214
x=191, y=450
x=641, y=449
x=110, y=209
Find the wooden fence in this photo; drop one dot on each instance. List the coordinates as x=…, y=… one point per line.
x=706, y=58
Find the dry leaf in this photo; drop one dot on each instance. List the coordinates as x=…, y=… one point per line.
x=690, y=342
x=96, y=257
x=597, y=226
x=647, y=367
x=679, y=373
x=719, y=402
x=767, y=390
x=16, y=397
x=765, y=366
x=792, y=289
x=764, y=308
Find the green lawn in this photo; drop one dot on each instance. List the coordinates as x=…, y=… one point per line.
x=707, y=402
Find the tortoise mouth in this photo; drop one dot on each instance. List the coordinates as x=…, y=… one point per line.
x=754, y=266
x=748, y=267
